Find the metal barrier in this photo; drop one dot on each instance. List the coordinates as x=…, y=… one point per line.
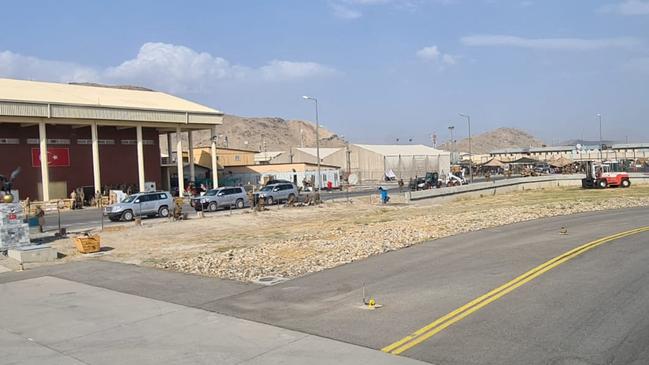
x=493, y=186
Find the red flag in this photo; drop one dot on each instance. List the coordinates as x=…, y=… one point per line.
x=56, y=157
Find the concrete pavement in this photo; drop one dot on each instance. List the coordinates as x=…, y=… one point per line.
x=55, y=321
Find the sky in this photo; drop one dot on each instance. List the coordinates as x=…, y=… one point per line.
x=380, y=69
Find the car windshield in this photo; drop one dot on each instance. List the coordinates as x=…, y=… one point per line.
x=267, y=188
x=211, y=192
x=129, y=199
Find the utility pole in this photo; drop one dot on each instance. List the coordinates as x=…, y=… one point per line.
x=468, y=118
x=317, y=138
x=450, y=129
x=601, y=141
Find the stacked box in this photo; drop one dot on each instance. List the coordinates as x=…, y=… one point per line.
x=13, y=231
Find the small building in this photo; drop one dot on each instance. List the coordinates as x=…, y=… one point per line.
x=296, y=172
x=224, y=156
x=90, y=137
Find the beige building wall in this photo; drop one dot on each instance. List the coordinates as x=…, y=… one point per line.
x=225, y=157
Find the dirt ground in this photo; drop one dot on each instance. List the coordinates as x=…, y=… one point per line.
x=289, y=242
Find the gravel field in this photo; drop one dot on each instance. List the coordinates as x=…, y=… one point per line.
x=290, y=242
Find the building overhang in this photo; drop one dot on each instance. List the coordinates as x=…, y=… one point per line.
x=24, y=112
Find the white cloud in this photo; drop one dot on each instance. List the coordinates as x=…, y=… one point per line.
x=577, y=44
x=449, y=60
x=173, y=68
x=32, y=68
x=350, y=9
x=278, y=70
x=161, y=66
x=344, y=12
x=628, y=7
x=432, y=54
x=428, y=53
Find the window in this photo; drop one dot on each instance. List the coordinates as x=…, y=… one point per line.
x=237, y=157
x=147, y=198
x=162, y=196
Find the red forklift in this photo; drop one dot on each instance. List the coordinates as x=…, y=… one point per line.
x=599, y=175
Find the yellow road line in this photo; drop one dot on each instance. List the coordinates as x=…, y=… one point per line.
x=457, y=315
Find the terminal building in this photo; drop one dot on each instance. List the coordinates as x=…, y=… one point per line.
x=90, y=137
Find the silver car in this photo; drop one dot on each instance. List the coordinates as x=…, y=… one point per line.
x=140, y=204
x=225, y=197
x=275, y=193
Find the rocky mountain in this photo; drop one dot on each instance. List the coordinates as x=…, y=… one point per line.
x=259, y=134
x=493, y=140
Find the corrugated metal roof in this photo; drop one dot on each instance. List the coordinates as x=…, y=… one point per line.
x=54, y=93
x=402, y=149
x=324, y=151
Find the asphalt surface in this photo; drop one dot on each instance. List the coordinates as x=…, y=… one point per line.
x=89, y=218
x=593, y=309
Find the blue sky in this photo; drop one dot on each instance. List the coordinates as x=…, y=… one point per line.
x=381, y=69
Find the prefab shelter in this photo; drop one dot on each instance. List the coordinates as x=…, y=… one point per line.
x=372, y=162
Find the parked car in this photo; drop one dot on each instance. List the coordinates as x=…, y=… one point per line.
x=140, y=204
x=277, y=181
x=225, y=197
x=276, y=193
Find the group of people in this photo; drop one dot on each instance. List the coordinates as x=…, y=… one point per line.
x=78, y=198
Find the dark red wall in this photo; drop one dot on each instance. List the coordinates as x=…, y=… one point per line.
x=118, y=162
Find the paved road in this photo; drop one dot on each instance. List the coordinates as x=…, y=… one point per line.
x=89, y=218
x=592, y=309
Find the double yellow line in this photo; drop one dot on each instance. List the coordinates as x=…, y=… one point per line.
x=457, y=315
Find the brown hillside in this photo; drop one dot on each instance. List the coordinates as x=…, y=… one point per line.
x=493, y=140
x=273, y=134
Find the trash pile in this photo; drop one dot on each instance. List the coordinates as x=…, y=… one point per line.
x=13, y=231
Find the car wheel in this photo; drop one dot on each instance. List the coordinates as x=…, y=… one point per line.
x=127, y=215
x=163, y=211
x=602, y=184
x=212, y=207
x=269, y=200
x=291, y=198
x=626, y=183
x=239, y=204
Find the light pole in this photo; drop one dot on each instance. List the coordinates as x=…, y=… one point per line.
x=468, y=119
x=601, y=142
x=317, y=138
x=450, y=129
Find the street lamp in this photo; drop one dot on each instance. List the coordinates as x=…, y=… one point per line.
x=601, y=142
x=317, y=138
x=468, y=119
x=450, y=129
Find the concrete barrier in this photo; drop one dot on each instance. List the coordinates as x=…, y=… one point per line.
x=509, y=185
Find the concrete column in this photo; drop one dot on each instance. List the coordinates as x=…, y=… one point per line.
x=192, y=171
x=140, y=157
x=215, y=166
x=95, y=160
x=169, y=149
x=45, y=175
x=179, y=162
